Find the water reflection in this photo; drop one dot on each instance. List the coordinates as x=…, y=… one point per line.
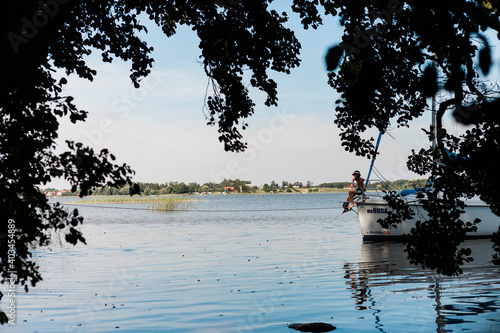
x=394, y=293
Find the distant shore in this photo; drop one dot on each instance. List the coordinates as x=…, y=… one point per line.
x=237, y=186
x=150, y=198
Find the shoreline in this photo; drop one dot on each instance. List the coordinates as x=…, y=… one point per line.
x=258, y=192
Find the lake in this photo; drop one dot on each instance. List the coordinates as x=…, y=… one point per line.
x=248, y=263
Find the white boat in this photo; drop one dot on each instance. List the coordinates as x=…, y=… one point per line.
x=373, y=207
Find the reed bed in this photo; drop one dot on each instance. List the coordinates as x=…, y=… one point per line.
x=157, y=204
x=168, y=204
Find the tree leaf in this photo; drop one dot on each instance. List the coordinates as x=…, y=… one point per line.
x=485, y=59
x=455, y=80
x=428, y=83
x=333, y=57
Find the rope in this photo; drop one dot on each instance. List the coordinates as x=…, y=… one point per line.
x=210, y=210
x=373, y=158
x=382, y=179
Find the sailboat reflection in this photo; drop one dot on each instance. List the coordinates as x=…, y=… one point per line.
x=400, y=296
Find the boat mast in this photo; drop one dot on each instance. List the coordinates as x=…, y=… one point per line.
x=430, y=181
x=373, y=159
x=433, y=110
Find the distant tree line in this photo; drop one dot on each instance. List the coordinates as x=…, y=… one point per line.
x=406, y=184
x=334, y=185
x=241, y=186
x=396, y=184
x=174, y=187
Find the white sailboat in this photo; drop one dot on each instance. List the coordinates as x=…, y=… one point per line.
x=372, y=206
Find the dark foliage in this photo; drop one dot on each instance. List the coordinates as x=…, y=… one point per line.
x=396, y=55
x=44, y=40
x=385, y=46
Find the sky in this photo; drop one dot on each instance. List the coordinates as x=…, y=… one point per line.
x=160, y=129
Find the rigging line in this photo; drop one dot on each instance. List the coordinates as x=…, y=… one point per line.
x=373, y=158
x=383, y=179
x=209, y=210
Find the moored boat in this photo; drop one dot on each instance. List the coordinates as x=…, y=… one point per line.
x=373, y=207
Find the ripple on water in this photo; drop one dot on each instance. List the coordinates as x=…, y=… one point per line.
x=248, y=272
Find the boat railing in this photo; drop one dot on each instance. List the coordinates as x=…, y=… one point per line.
x=373, y=190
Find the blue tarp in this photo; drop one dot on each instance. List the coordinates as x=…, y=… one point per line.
x=404, y=193
x=453, y=156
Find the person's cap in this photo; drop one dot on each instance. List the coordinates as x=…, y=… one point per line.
x=356, y=173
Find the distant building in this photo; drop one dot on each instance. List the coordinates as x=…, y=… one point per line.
x=55, y=192
x=297, y=184
x=347, y=187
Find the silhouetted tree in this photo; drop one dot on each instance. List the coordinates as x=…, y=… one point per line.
x=42, y=39
x=385, y=77
x=393, y=56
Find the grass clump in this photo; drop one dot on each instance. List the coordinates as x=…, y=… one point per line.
x=170, y=204
x=157, y=204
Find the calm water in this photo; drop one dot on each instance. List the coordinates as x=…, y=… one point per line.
x=253, y=271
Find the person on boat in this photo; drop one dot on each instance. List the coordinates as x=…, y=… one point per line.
x=357, y=185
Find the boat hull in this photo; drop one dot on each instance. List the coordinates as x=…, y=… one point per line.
x=370, y=210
